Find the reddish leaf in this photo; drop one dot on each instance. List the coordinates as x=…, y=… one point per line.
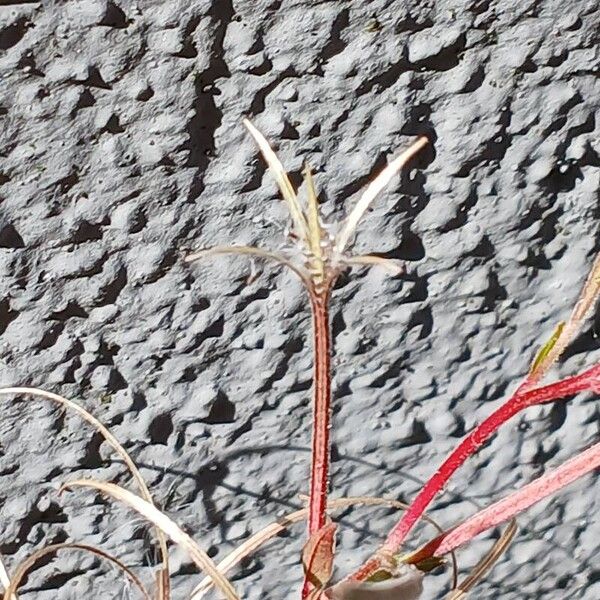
x=527, y=394
x=317, y=555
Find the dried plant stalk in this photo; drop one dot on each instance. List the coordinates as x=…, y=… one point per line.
x=322, y=258
x=485, y=564
x=321, y=412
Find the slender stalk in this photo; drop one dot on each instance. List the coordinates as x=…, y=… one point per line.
x=588, y=380
x=321, y=421
x=319, y=472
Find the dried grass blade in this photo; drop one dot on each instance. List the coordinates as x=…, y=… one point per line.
x=112, y=441
x=163, y=585
x=282, y=179
x=486, y=563
x=393, y=267
x=24, y=567
x=373, y=189
x=247, y=251
x=169, y=527
x=270, y=531
x=586, y=301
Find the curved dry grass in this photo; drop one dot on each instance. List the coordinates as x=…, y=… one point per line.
x=485, y=564
x=26, y=565
x=166, y=525
x=117, y=447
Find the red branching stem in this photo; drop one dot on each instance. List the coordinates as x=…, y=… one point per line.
x=511, y=505
x=589, y=379
x=523, y=398
x=319, y=473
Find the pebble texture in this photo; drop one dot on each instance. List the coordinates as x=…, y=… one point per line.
x=122, y=149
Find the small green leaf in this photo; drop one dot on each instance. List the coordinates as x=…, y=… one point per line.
x=424, y=565
x=381, y=575
x=546, y=348
x=429, y=564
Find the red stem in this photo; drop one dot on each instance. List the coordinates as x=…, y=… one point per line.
x=511, y=505
x=321, y=423
x=319, y=472
x=470, y=444
x=522, y=399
